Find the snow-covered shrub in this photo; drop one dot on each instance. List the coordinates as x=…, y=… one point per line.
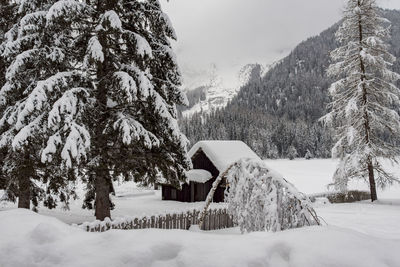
x=292, y=153
x=308, y=155
x=343, y=197
x=262, y=200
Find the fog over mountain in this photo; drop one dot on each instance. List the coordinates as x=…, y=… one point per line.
x=233, y=33
x=280, y=109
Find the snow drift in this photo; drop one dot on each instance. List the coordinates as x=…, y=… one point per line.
x=29, y=239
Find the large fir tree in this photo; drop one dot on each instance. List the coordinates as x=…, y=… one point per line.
x=6, y=17
x=122, y=120
x=363, y=98
x=33, y=54
x=20, y=50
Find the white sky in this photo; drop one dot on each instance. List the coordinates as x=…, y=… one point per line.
x=233, y=33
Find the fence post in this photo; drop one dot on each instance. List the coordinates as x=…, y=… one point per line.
x=180, y=221
x=207, y=221
x=211, y=225
x=168, y=222
x=218, y=224
x=163, y=223
x=188, y=220
x=174, y=221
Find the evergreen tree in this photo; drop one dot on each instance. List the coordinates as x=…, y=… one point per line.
x=122, y=119
x=34, y=54
x=363, y=98
x=20, y=50
x=6, y=17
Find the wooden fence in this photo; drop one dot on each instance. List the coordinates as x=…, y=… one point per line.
x=215, y=219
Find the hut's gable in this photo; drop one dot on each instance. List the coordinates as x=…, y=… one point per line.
x=201, y=161
x=222, y=154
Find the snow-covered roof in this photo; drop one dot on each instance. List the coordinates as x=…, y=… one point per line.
x=198, y=176
x=224, y=153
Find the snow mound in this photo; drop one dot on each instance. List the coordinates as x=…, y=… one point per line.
x=198, y=176
x=69, y=246
x=224, y=153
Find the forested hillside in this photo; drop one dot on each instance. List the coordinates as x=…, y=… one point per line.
x=280, y=110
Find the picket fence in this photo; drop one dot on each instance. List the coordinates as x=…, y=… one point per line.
x=215, y=219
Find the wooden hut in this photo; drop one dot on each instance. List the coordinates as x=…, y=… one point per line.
x=209, y=159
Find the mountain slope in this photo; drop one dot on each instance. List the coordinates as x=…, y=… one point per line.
x=281, y=109
x=213, y=95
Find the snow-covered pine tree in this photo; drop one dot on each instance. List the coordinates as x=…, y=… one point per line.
x=7, y=16
x=35, y=57
x=18, y=166
x=128, y=126
x=166, y=79
x=362, y=99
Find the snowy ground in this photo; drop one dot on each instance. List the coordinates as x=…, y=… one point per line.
x=358, y=234
x=313, y=176
x=309, y=176
x=129, y=200
x=29, y=239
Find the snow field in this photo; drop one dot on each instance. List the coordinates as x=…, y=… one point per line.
x=357, y=234
x=313, y=176
x=30, y=239
x=308, y=176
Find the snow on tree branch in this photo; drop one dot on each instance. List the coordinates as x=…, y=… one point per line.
x=142, y=46
x=65, y=8
x=94, y=51
x=262, y=200
x=110, y=19
x=39, y=96
x=361, y=110
x=131, y=130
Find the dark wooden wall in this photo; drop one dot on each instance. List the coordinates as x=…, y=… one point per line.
x=171, y=193
x=196, y=191
x=201, y=161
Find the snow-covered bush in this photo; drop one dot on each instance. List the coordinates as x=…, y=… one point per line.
x=292, y=153
x=343, y=197
x=308, y=155
x=262, y=200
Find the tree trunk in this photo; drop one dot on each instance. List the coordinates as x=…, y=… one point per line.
x=367, y=126
x=210, y=196
x=102, y=202
x=24, y=192
x=372, y=184
x=103, y=181
x=25, y=173
x=209, y=199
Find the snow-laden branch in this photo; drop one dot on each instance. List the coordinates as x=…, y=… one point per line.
x=259, y=199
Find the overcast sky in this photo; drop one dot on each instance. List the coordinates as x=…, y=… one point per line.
x=233, y=33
